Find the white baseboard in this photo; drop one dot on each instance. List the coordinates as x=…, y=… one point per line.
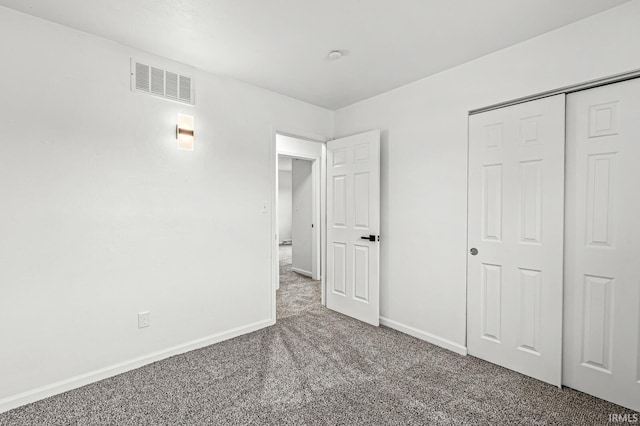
x=46, y=391
x=302, y=272
x=422, y=335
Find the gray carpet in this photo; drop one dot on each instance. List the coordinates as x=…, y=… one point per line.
x=317, y=367
x=297, y=293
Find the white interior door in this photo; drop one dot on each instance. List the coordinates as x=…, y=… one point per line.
x=602, y=281
x=516, y=208
x=353, y=213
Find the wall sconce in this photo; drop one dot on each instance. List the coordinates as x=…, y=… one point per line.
x=185, y=132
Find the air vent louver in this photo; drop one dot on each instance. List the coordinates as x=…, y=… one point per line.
x=171, y=85
x=142, y=77
x=162, y=83
x=185, y=89
x=157, y=81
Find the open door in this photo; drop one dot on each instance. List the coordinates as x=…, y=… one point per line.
x=353, y=226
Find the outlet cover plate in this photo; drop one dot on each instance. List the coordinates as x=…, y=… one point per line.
x=144, y=319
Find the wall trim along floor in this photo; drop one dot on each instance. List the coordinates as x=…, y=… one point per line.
x=302, y=272
x=428, y=337
x=122, y=367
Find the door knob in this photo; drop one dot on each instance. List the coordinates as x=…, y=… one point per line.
x=473, y=251
x=369, y=237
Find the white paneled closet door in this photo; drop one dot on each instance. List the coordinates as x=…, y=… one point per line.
x=602, y=271
x=515, y=234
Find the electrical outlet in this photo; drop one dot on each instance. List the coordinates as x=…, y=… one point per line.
x=144, y=319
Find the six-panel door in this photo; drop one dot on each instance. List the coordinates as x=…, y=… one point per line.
x=353, y=212
x=602, y=276
x=516, y=198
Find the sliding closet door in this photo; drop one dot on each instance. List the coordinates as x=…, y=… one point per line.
x=515, y=234
x=602, y=281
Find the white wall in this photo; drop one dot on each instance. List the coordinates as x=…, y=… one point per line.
x=301, y=231
x=424, y=159
x=101, y=217
x=285, y=207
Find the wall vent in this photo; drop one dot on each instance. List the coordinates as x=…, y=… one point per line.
x=162, y=83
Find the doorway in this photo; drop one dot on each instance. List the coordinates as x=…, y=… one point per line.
x=298, y=290
x=298, y=222
x=345, y=252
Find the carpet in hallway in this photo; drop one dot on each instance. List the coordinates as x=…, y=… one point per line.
x=297, y=292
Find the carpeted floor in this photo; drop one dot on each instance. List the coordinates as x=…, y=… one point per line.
x=297, y=293
x=317, y=367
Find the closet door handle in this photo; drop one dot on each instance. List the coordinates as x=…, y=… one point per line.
x=370, y=238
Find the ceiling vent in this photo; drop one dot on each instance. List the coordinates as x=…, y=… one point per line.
x=160, y=82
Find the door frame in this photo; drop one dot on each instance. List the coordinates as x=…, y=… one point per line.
x=319, y=173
